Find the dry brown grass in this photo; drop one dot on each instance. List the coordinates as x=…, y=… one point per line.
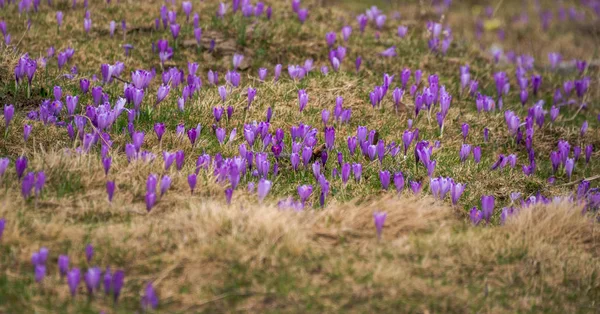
x=259, y=258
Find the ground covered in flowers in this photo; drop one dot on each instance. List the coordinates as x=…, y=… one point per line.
x=299, y=156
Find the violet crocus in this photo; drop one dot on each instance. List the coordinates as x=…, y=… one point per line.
x=4, y=162
x=477, y=154
x=357, y=171
x=59, y=18
x=465, y=151
x=237, y=60
x=379, y=219
x=251, y=95
x=584, y=127
x=150, y=298
x=26, y=131
x=165, y=184
x=228, y=195
x=63, y=265
x=192, y=180
x=390, y=52
x=9, y=112
x=162, y=93
x=186, y=6
x=465, y=131
x=110, y=189
x=384, y=178
x=150, y=200
x=159, y=130
x=118, y=279
x=302, y=15
x=73, y=279
x=40, y=272
x=456, y=190
x=399, y=181
x=475, y=215
x=264, y=186
x=107, y=280
x=89, y=252
x=415, y=186
x=20, y=166
x=569, y=166
x=304, y=191
x=487, y=207
x=92, y=279
x=40, y=180
x=402, y=31
x=302, y=99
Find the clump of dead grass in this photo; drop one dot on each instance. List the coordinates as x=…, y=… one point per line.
x=426, y=253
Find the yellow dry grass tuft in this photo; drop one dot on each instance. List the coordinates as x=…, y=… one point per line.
x=204, y=255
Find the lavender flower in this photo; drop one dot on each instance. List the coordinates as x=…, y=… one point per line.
x=379, y=219
x=384, y=178
x=264, y=186
x=73, y=279
x=487, y=207
x=110, y=189
x=475, y=215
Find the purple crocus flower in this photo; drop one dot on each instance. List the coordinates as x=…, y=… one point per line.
x=150, y=298
x=150, y=200
x=465, y=151
x=465, y=131
x=117, y=283
x=569, y=165
x=110, y=189
x=379, y=219
x=162, y=93
x=302, y=99
x=302, y=15
x=402, y=31
x=487, y=207
x=251, y=95
x=39, y=182
x=554, y=59
x=390, y=52
x=588, y=153
x=237, y=60
x=304, y=191
x=59, y=18
x=187, y=9
x=192, y=180
x=584, y=128
x=384, y=178
x=89, y=252
x=399, y=181
x=264, y=186
x=228, y=195
x=475, y=215
x=456, y=190
x=40, y=272
x=73, y=279
x=107, y=280
x=92, y=279
x=9, y=112
x=27, y=185
x=159, y=130
x=477, y=154
x=165, y=184
x=106, y=162
x=63, y=265
x=4, y=162
x=415, y=186
x=357, y=171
